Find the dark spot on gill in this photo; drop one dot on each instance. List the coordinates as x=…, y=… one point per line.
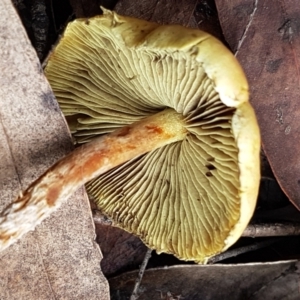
x=210, y=167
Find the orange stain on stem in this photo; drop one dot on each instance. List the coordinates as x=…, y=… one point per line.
x=52, y=195
x=155, y=129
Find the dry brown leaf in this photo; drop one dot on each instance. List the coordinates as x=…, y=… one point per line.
x=279, y=280
x=60, y=259
x=86, y=8
x=266, y=37
x=190, y=13
x=121, y=250
x=90, y=8
x=163, y=12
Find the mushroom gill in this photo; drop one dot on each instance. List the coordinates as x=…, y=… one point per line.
x=193, y=197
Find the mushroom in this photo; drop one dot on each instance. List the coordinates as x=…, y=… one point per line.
x=170, y=142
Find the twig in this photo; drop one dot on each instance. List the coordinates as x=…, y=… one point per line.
x=138, y=281
x=242, y=250
x=267, y=178
x=271, y=229
x=251, y=17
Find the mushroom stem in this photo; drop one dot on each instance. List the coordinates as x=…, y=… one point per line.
x=48, y=192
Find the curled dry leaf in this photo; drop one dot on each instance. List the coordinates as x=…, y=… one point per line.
x=190, y=182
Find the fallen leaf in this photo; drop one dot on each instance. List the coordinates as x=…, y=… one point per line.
x=190, y=13
x=279, y=280
x=265, y=35
x=60, y=259
x=120, y=249
x=90, y=8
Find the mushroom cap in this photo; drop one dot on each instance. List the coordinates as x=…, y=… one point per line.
x=192, y=198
